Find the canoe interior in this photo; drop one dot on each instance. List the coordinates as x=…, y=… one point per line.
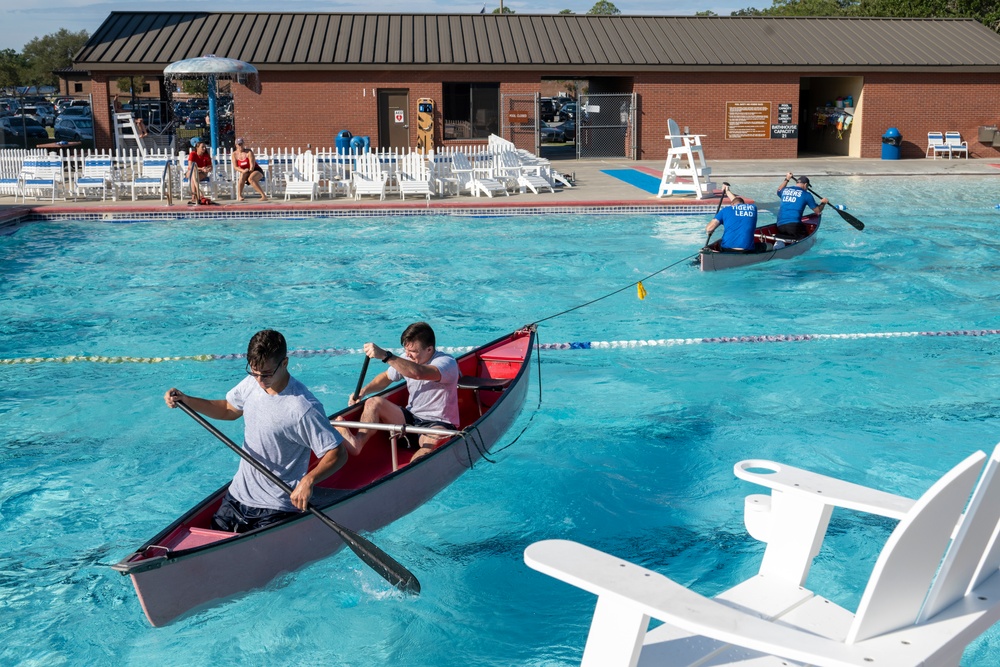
x=769, y=243
x=500, y=360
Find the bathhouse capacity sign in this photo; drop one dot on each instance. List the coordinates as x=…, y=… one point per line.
x=748, y=120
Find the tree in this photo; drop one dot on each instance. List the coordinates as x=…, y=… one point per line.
x=565, y=11
x=51, y=52
x=195, y=86
x=707, y=12
x=605, y=7
x=12, y=68
x=506, y=10
x=131, y=84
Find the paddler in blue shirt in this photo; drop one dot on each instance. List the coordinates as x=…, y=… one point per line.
x=794, y=199
x=739, y=220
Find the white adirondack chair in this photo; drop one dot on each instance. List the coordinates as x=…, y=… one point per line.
x=368, y=176
x=475, y=179
x=303, y=179
x=40, y=175
x=934, y=588
x=152, y=176
x=413, y=176
x=334, y=169
x=98, y=173
x=685, y=170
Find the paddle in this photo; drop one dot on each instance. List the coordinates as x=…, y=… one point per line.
x=375, y=558
x=361, y=378
x=717, y=209
x=848, y=218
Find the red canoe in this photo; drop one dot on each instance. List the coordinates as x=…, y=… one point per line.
x=769, y=243
x=188, y=565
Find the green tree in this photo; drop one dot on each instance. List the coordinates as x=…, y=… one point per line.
x=51, y=52
x=605, y=7
x=565, y=11
x=132, y=84
x=506, y=10
x=195, y=86
x=707, y=12
x=12, y=68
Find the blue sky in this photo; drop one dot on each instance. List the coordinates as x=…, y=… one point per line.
x=24, y=20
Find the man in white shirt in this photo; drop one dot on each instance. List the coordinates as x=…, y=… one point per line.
x=432, y=383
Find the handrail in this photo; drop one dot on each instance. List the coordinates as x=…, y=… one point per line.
x=401, y=429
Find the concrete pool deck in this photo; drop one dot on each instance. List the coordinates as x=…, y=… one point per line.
x=593, y=189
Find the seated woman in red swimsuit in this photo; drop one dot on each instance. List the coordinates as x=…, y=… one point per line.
x=248, y=171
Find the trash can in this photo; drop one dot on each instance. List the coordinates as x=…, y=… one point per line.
x=343, y=141
x=359, y=144
x=987, y=134
x=891, y=141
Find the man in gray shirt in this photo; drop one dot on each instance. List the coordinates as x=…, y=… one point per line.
x=284, y=422
x=432, y=384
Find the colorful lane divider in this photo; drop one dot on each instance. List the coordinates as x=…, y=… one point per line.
x=579, y=345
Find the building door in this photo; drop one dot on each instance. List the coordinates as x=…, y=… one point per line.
x=394, y=119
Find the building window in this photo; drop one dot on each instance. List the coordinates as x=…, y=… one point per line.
x=77, y=87
x=471, y=110
x=145, y=87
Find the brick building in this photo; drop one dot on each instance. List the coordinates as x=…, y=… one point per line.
x=755, y=87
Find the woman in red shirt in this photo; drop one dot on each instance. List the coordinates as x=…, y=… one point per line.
x=199, y=170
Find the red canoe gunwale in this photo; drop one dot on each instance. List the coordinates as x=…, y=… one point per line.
x=357, y=495
x=713, y=258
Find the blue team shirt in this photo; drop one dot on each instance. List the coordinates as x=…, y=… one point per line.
x=738, y=222
x=793, y=202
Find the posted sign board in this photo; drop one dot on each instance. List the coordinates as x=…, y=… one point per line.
x=748, y=120
x=518, y=117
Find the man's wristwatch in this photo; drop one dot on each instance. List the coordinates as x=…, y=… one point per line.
x=388, y=355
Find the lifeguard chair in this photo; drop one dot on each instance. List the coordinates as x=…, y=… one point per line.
x=685, y=170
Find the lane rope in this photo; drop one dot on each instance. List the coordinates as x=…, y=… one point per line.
x=576, y=345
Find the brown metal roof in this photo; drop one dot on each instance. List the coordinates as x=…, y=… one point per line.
x=565, y=43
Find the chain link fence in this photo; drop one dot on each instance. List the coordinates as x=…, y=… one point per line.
x=519, y=120
x=605, y=126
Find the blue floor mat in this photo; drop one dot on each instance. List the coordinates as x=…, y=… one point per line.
x=647, y=182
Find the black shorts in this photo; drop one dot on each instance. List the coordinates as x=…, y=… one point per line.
x=412, y=420
x=235, y=517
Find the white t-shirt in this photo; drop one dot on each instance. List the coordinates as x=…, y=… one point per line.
x=434, y=401
x=279, y=431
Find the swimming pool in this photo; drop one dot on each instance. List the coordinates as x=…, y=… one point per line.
x=631, y=450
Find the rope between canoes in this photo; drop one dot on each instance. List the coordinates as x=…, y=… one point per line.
x=576, y=345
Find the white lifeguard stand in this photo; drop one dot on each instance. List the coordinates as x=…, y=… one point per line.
x=685, y=170
x=126, y=133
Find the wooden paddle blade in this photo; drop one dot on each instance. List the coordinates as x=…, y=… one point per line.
x=850, y=219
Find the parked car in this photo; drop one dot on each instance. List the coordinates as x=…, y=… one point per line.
x=548, y=110
x=39, y=113
x=553, y=135
x=15, y=128
x=76, y=112
x=569, y=129
x=568, y=110
x=74, y=129
x=196, y=119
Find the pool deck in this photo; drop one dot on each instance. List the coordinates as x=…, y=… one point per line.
x=592, y=189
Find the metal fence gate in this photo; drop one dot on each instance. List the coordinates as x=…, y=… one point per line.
x=519, y=120
x=605, y=125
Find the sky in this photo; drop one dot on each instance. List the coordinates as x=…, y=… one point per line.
x=23, y=20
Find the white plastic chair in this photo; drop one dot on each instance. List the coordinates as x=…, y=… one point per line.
x=368, y=177
x=413, y=176
x=934, y=588
x=151, y=177
x=956, y=145
x=936, y=145
x=97, y=174
x=303, y=178
x=40, y=175
x=475, y=179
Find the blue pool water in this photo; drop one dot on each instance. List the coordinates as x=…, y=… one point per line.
x=631, y=450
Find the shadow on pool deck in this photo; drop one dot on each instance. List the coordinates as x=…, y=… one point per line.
x=592, y=188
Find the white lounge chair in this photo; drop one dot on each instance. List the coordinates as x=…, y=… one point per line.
x=685, y=170
x=152, y=176
x=475, y=179
x=936, y=145
x=303, y=179
x=98, y=173
x=414, y=176
x=955, y=143
x=335, y=170
x=524, y=177
x=40, y=175
x=934, y=588
x=368, y=177
x=442, y=174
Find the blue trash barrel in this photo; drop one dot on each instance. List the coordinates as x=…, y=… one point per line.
x=891, y=142
x=343, y=141
x=358, y=144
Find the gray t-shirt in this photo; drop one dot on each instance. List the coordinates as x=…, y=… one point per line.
x=434, y=401
x=279, y=431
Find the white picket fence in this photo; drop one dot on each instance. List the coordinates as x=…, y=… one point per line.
x=332, y=170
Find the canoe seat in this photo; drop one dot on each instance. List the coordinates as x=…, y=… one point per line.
x=478, y=384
